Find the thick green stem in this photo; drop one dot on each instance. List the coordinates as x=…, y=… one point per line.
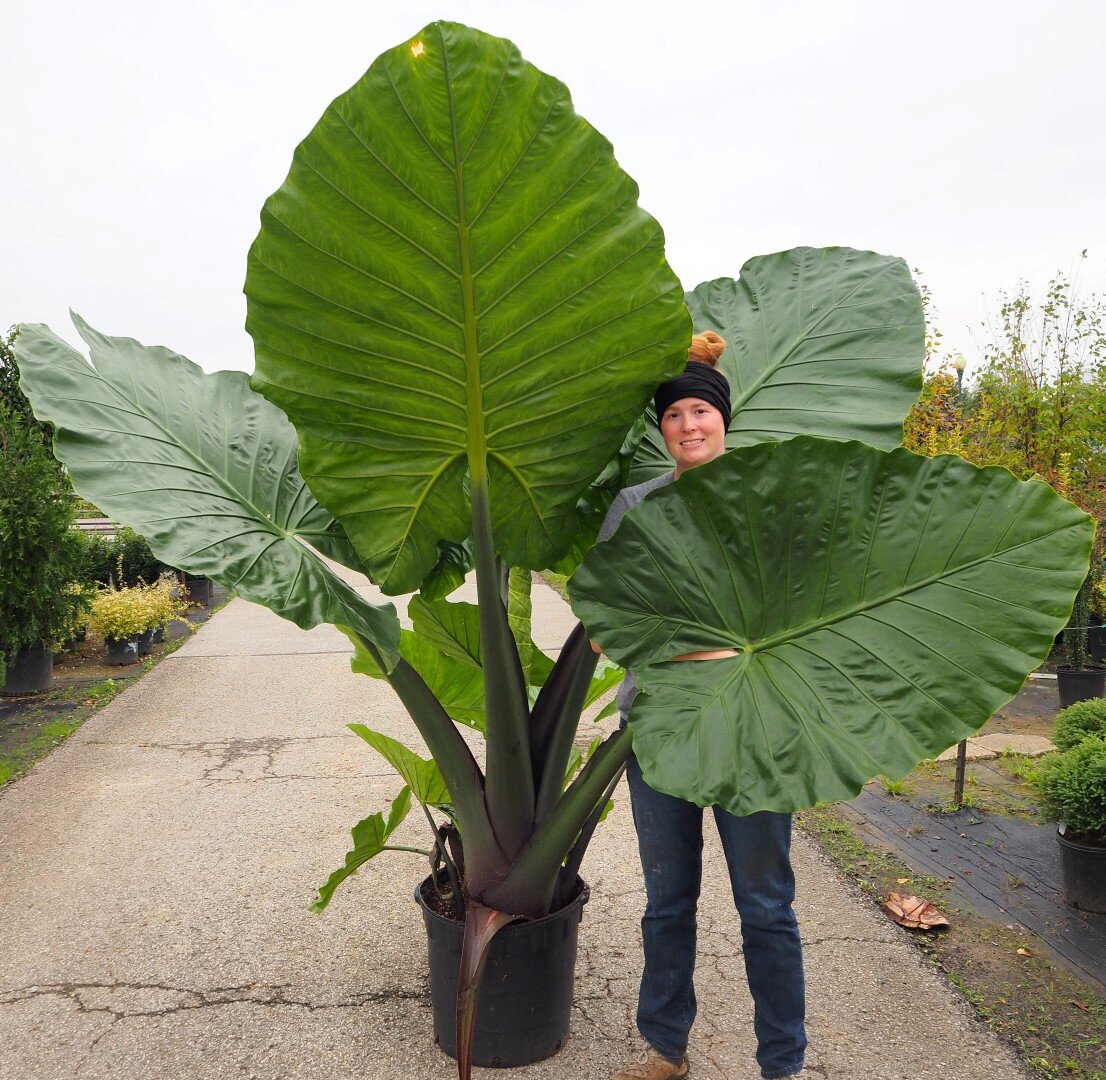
x=509, y=780
x=571, y=869
x=556, y=717
x=486, y=860
x=527, y=888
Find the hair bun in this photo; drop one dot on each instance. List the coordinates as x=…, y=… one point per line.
x=706, y=348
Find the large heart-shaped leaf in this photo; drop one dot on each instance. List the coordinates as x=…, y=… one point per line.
x=882, y=605
x=202, y=467
x=820, y=341
x=455, y=279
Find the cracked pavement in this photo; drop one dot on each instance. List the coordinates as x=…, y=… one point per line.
x=155, y=873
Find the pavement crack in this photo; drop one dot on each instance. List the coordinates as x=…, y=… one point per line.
x=241, y=757
x=123, y=1000
x=835, y=939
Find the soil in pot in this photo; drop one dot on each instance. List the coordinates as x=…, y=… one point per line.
x=1084, y=868
x=1081, y=685
x=525, y=1001
x=30, y=672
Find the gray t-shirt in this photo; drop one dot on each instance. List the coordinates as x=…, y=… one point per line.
x=625, y=499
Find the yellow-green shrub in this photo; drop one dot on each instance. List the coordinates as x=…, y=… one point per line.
x=125, y=613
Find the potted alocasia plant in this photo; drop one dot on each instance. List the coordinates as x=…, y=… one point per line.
x=461, y=309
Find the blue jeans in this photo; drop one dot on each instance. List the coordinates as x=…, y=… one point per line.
x=670, y=840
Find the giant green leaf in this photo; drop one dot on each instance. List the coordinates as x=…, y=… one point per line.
x=455, y=280
x=820, y=341
x=882, y=605
x=202, y=467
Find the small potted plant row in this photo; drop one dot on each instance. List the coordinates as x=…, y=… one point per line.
x=1073, y=793
x=129, y=618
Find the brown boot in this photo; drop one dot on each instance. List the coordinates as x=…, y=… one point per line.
x=651, y=1066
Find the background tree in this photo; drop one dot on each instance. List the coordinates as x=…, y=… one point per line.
x=11, y=397
x=1037, y=404
x=39, y=552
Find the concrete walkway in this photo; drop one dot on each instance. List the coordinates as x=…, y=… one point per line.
x=155, y=873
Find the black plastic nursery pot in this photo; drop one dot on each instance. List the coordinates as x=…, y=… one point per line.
x=1084, y=873
x=30, y=672
x=525, y=1000
x=122, y=651
x=1080, y=685
x=1096, y=643
x=199, y=589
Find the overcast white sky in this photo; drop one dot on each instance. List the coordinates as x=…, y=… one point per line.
x=141, y=139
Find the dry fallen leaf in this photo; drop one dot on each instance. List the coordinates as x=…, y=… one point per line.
x=1024, y=952
x=913, y=912
x=901, y=880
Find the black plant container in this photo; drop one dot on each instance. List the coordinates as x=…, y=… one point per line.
x=1096, y=644
x=199, y=589
x=30, y=672
x=1084, y=870
x=525, y=1002
x=1081, y=685
x=120, y=652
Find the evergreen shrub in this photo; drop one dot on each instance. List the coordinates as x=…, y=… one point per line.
x=40, y=556
x=1079, y=721
x=1073, y=790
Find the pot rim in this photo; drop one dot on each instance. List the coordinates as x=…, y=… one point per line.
x=1078, y=844
x=578, y=901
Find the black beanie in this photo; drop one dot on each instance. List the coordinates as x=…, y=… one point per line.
x=698, y=380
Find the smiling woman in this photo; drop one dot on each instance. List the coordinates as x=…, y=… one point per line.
x=694, y=413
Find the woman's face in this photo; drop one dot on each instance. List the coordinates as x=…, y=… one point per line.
x=693, y=431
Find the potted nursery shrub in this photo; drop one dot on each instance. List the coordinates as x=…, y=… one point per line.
x=1078, y=722
x=460, y=314
x=127, y=617
x=39, y=557
x=1073, y=792
x=1080, y=679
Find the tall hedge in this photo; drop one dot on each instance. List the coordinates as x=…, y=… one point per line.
x=39, y=553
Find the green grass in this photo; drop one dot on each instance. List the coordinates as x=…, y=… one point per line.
x=896, y=788
x=42, y=734
x=1026, y=769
